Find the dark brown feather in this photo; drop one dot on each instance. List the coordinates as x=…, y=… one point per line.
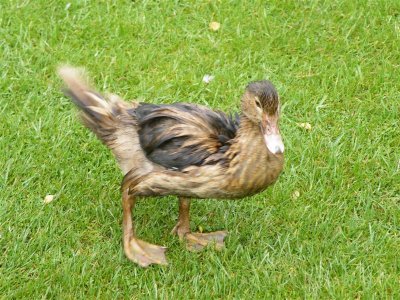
x=180, y=135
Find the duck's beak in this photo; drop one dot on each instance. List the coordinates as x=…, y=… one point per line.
x=272, y=136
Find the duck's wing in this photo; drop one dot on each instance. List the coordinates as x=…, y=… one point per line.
x=180, y=135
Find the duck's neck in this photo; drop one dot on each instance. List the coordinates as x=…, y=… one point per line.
x=252, y=167
x=247, y=127
x=248, y=139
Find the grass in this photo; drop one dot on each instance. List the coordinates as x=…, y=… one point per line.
x=336, y=66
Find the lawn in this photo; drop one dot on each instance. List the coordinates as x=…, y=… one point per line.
x=329, y=228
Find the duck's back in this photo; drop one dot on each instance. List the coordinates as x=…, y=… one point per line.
x=180, y=135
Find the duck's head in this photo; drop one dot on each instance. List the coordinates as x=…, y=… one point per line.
x=260, y=104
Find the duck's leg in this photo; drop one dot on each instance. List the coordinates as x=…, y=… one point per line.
x=138, y=251
x=195, y=241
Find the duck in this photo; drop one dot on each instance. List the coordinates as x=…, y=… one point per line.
x=185, y=150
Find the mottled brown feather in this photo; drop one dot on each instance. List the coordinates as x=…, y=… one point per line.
x=182, y=149
x=108, y=119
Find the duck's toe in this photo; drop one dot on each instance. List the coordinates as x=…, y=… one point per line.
x=145, y=254
x=197, y=241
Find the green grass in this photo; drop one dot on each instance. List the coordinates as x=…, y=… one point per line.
x=336, y=66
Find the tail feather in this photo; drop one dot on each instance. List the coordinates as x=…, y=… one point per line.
x=107, y=118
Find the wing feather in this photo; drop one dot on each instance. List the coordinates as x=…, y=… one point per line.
x=180, y=135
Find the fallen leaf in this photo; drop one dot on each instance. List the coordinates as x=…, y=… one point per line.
x=214, y=26
x=306, y=126
x=48, y=199
x=208, y=78
x=67, y=6
x=295, y=195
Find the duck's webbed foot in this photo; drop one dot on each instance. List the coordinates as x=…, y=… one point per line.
x=138, y=251
x=196, y=241
x=145, y=254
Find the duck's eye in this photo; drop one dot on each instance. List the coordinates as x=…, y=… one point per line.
x=258, y=103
